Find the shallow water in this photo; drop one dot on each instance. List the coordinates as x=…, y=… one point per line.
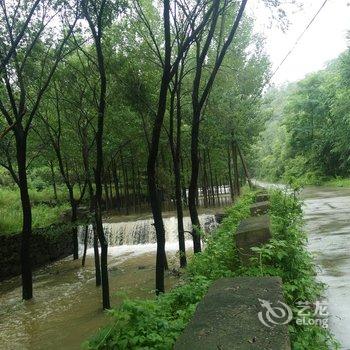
x=327, y=215
x=67, y=305
x=66, y=309
x=327, y=222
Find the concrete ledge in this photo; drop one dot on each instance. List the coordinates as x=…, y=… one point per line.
x=259, y=208
x=227, y=317
x=252, y=232
x=262, y=197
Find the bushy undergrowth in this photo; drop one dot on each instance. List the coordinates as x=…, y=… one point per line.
x=44, y=213
x=156, y=324
x=286, y=256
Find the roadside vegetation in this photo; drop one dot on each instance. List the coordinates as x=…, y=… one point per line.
x=307, y=126
x=156, y=324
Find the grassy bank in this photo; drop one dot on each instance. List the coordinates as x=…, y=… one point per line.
x=338, y=182
x=156, y=324
x=45, y=210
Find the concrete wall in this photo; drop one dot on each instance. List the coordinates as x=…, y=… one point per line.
x=48, y=245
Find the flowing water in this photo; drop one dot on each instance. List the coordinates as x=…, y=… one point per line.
x=66, y=309
x=327, y=215
x=67, y=305
x=327, y=222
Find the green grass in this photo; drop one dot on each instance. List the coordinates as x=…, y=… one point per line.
x=337, y=182
x=156, y=323
x=42, y=213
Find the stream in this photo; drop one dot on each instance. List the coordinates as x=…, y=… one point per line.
x=67, y=305
x=66, y=309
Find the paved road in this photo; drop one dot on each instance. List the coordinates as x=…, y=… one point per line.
x=327, y=215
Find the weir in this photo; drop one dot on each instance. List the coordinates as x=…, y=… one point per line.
x=143, y=231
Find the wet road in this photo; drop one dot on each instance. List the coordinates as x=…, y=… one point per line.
x=327, y=216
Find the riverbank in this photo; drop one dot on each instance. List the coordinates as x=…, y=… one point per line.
x=157, y=323
x=47, y=245
x=66, y=308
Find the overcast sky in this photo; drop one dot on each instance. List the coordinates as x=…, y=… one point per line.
x=324, y=40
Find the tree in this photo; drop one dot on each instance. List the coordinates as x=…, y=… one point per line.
x=96, y=17
x=199, y=100
x=25, y=78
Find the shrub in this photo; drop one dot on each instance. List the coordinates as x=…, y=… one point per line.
x=156, y=324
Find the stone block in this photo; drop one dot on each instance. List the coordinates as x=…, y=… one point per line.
x=260, y=208
x=262, y=197
x=227, y=317
x=252, y=232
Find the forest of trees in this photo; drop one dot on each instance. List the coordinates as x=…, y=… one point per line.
x=307, y=128
x=128, y=105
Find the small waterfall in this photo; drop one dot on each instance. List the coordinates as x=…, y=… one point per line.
x=143, y=231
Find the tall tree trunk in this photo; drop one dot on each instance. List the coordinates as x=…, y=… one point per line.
x=110, y=186
x=245, y=168
x=126, y=185
x=97, y=257
x=205, y=182
x=97, y=35
x=199, y=100
x=175, y=145
x=211, y=179
x=230, y=173
x=179, y=210
x=133, y=182
x=98, y=199
x=86, y=162
x=153, y=153
x=217, y=185
x=86, y=236
x=26, y=261
x=116, y=185
x=193, y=187
x=139, y=190
x=53, y=178
x=107, y=200
x=236, y=185
x=74, y=214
